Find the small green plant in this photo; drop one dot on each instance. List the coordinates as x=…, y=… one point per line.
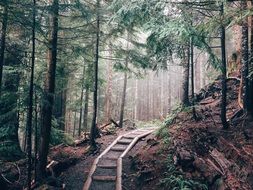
x=163, y=130
x=174, y=179
x=58, y=136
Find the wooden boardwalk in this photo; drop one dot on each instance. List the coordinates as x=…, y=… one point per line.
x=106, y=171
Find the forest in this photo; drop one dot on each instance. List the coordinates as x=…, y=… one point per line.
x=116, y=94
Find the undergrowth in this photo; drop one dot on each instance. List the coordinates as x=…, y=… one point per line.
x=163, y=131
x=145, y=124
x=58, y=136
x=174, y=179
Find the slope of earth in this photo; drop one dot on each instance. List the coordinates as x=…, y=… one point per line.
x=197, y=154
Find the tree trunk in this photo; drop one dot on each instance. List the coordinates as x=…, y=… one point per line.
x=81, y=108
x=49, y=90
x=251, y=67
x=186, y=67
x=192, y=80
x=108, y=93
x=224, y=75
x=30, y=110
x=35, y=137
x=123, y=100
x=3, y=38
x=245, y=60
x=136, y=100
x=94, y=130
x=74, y=130
x=63, y=108
x=86, y=110
x=81, y=114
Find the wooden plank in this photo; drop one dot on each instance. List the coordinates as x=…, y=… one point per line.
x=134, y=141
x=109, y=147
x=119, y=174
x=93, y=168
x=104, y=178
x=119, y=163
x=108, y=166
x=89, y=179
x=118, y=149
x=130, y=136
x=131, y=139
x=124, y=141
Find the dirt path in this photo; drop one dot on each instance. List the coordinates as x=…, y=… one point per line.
x=75, y=177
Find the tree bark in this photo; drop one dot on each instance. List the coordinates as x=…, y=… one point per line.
x=30, y=110
x=3, y=39
x=123, y=100
x=86, y=109
x=81, y=108
x=94, y=130
x=49, y=90
x=81, y=114
x=74, y=130
x=108, y=100
x=192, y=80
x=35, y=137
x=245, y=60
x=251, y=67
x=186, y=67
x=136, y=100
x=224, y=75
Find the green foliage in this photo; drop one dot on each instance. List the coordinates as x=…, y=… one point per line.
x=144, y=124
x=58, y=136
x=176, y=181
x=169, y=120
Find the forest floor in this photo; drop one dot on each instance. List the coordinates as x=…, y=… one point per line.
x=184, y=153
x=197, y=154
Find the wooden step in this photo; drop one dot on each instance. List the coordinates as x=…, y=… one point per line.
x=104, y=178
x=118, y=149
x=107, y=162
x=130, y=136
x=108, y=166
x=124, y=141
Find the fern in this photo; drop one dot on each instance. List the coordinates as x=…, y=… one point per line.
x=175, y=180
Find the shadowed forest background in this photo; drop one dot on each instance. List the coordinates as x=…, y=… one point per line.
x=69, y=69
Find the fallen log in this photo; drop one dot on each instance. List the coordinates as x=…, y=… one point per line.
x=115, y=123
x=237, y=114
x=57, y=146
x=80, y=141
x=57, y=167
x=105, y=125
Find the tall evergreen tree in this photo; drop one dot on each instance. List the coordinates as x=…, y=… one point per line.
x=94, y=130
x=30, y=110
x=224, y=74
x=3, y=39
x=49, y=90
